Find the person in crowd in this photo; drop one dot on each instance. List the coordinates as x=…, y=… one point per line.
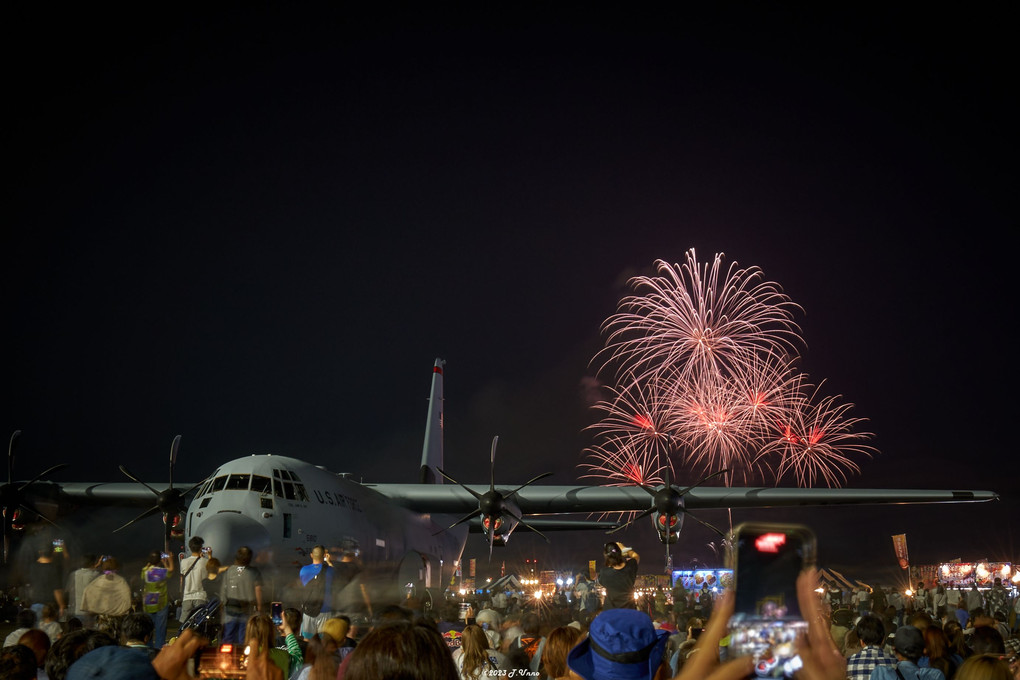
x=316, y=591
x=212, y=585
x=895, y=599
x=996, y=599
x=842, y=622
x=987, y=640
x=940, y=602
x=706, y=601
x=909, y=647
x=40, y=644
x=938, y=654
x=499, y=601
x=560, y=641
x=585, y=597
x=193, y=573
x=264, y=660
x=957, y=640
x=338, y=627
x=241, y=594
x=346, y=572
x=136, y=632
x=526, y=651
x=85, y=574
x=618, y=576
x=320, y=661
x=17, y=663
x=155, y=598
x=621, y=643
x=961, y=613
x=401, y=650
x=25, y=621
x=292, y=642
x=48, y=623
x=71, y=647
x=974, y=599
x=476, y=658
x=862, y=598
x=985, y=667
x=120, y=663
x=47, y=578
x=870, y=634
x=879, y=601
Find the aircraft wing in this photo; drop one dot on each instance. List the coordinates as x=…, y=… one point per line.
x=447, y=498
x=126, y=494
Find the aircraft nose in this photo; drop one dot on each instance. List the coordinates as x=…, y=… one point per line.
x=227, y=531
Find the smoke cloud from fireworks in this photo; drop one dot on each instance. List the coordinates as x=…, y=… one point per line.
x=704, y=363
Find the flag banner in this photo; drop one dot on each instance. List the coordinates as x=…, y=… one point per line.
x=471, y=568
x=900, y=546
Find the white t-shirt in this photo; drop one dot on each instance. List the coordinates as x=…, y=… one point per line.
x=193, y=589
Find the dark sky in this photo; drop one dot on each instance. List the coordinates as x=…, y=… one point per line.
x=258, y=227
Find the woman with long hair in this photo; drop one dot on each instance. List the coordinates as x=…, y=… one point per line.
x=320, y=658
x=560, y=641
x=938, y=654
x=472, y=659
x=258, y=641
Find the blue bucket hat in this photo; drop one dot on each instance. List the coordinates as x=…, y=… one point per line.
x=114, y=663
x=622, y=644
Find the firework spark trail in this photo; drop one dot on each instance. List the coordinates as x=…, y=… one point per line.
x=706, y=362
x=637, y=443
x=818, y=441
x=687, y=320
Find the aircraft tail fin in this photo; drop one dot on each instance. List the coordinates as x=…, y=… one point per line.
x=432, y=451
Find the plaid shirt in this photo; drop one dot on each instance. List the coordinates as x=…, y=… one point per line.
x=860, y=665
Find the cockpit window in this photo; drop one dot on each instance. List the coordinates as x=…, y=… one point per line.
x=238, y=482
x=299, y=490
x=288, y=491
x=277, y=487
x=261, y=484
x=219, y=483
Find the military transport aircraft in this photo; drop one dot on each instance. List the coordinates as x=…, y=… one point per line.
x=413, y=534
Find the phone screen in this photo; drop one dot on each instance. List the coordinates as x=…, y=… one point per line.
x=767, y=618
x=277, y=613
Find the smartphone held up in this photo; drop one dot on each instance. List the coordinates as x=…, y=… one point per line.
x=766, y=561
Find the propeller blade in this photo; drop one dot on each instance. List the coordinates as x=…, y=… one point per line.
x=703, y=523
x=148, y=513
x=703, y=480
x=641, y=515
x=463, y=519
x=40, y=515
x=492, y=464
x=529, y=527
x=130, y=476
x=10, y=455
x=474, y=493
x=186, y=493
x=42, y=474
x=531, y=481
x=174, y=446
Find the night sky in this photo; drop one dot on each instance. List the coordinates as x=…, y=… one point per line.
x=257, y=228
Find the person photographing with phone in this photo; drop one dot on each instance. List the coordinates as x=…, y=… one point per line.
x=192, y=574
x=155, y=600
x=618, y=576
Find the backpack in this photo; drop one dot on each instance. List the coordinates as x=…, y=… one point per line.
x=238, y=590
x=314, y=592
